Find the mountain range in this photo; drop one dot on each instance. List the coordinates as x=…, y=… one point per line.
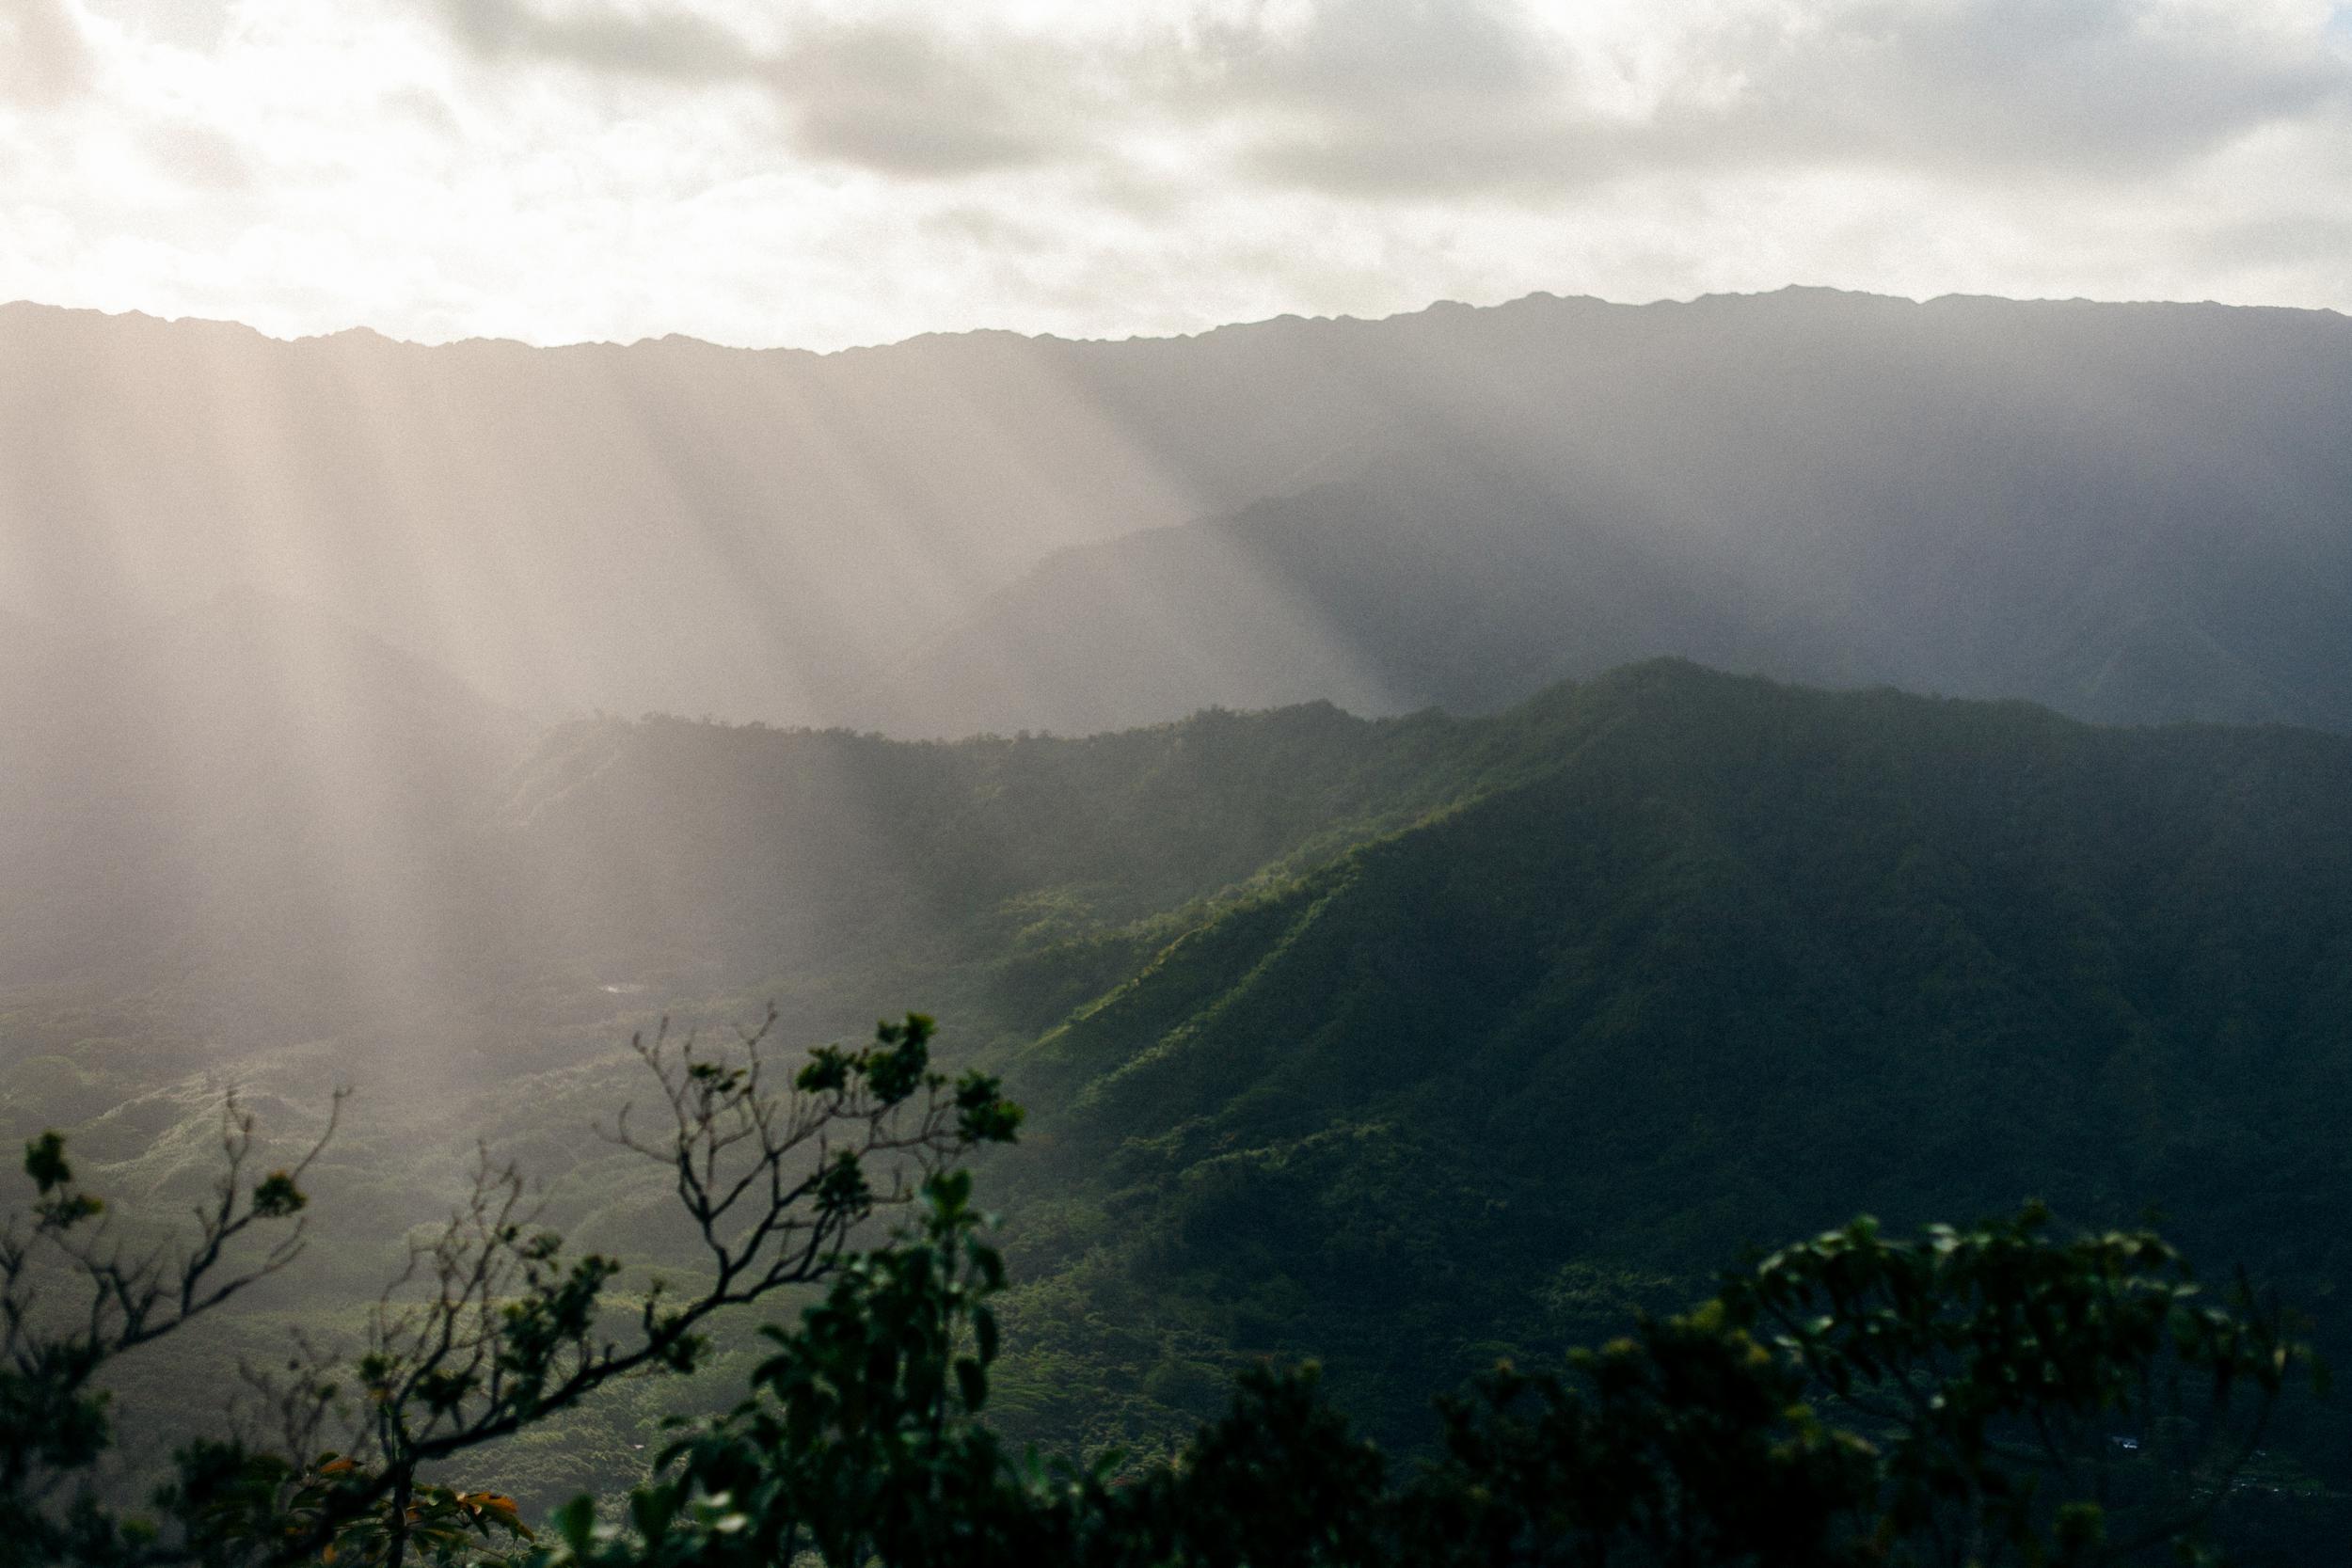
x=1705, y=963
x=1402, y=1043
x=2128, y=512
x=1375, y=852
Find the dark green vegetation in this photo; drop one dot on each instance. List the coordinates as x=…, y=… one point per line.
x=1400, y=1044
x=491, y=1330
x=1974, y=1397
x=1984, y=1397
x=1734, y=961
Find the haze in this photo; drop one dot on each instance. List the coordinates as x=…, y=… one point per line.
x=290, y=622
x=1489, y=649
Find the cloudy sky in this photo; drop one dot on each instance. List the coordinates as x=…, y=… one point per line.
x=820, y=173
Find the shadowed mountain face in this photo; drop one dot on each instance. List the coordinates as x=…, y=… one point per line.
x=1436, y=588
x=2131, y=512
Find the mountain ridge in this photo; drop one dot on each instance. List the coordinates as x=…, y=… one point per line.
x=1738, y=960
x=1910, y=491
x=1532, y=298
x=1398, y=1043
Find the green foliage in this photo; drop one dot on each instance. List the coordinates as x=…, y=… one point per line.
x=238, y=1507
x=861, y=1439
x=1975, y=1397
x=2004, y=1369
x=45, y=1162
x=75, y=1296
x=492, y=1330
x=277, y=1197
x=1851, y=1400
x=60, y=1208
x=1736, y=961
x=1399, y=1046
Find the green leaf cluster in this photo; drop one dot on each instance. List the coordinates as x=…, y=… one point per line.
x=1850, y=1399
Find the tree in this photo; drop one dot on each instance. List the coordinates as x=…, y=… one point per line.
x=74, y=1294
x=1983, y=1396
x=491, y=1329
x=1990, y=1395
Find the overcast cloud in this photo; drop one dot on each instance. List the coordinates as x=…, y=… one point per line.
x=824, y=174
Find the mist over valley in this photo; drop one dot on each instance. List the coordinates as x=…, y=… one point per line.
x=1344, y=777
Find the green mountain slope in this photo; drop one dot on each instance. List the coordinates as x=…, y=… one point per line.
x=701, y=854
x=1403, y=1043
x=1740, y=962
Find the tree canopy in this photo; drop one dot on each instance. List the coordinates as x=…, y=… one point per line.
x=2006, y=1392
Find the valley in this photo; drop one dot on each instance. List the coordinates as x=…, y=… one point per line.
x=1449, y=848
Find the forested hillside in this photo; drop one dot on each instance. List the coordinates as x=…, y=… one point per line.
x=1741, y=960
x=1401, y=1043
x=1151, y=867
